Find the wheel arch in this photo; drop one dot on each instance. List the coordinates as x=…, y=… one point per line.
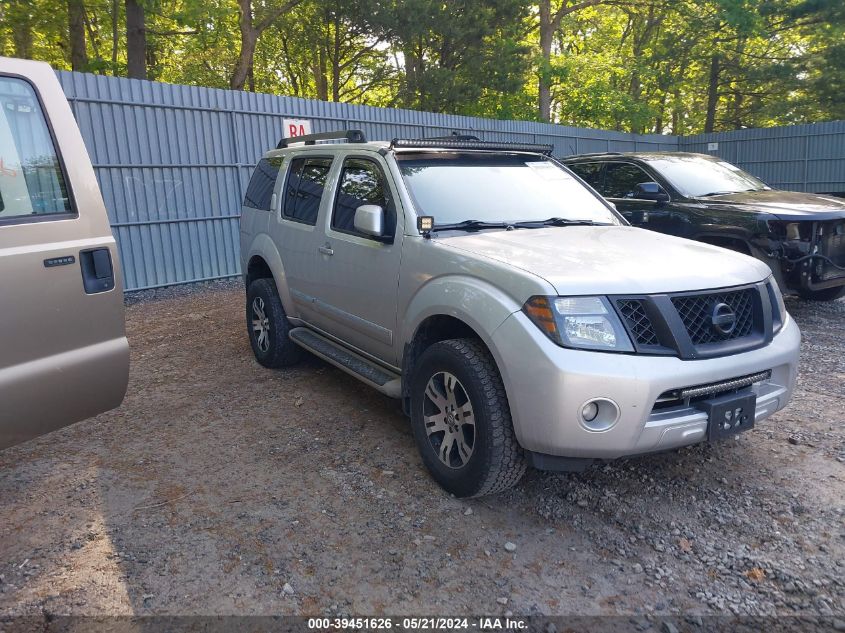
x=264, y=261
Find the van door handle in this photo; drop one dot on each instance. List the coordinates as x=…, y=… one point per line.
x=326, y=250
x=97, y=270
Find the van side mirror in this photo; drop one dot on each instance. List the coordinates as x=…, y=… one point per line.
x=650, y=191
x=369, y=220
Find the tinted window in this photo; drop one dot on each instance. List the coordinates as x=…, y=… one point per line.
x=590, y=172
x=697, y=176
x=304, y=188
x=361, y=182
x=31, y=178
x=260, y=189
x=498, y=188
x=620, y=180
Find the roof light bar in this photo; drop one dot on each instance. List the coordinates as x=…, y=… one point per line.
x=350, y=136
x=423, y=143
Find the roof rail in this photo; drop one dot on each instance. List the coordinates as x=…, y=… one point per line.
x=452, y=142
x=350, y=136
x=595, y=154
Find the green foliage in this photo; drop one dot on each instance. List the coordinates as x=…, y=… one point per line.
x=637, y=65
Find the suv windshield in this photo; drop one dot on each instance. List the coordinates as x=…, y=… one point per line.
x=695, y=176
x=498, y=188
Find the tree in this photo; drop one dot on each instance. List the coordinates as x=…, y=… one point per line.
x=251, y=26
x=76, y=34
x=136, y=40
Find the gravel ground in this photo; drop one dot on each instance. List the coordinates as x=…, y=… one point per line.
x=219, y=487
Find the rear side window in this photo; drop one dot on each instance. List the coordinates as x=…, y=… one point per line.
x=589, y=173
x=620, y=180
x=32, y=184
x=304, y=188
x=361, y=182
x=260, y=189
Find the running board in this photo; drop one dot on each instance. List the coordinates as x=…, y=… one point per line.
x=346, y=360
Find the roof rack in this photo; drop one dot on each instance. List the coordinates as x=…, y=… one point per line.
x=460, y=142
x=350, y=136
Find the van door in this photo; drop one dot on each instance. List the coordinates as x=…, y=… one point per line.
x=63, y=350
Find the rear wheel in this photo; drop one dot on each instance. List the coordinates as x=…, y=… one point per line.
x=268, y=326
x=461, y=420
x=828, y=294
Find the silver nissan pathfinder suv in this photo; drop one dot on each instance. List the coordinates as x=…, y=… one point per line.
x=517, y=316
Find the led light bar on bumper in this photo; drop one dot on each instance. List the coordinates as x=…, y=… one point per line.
x=579, y=322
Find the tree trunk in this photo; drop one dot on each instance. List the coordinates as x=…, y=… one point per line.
x=115, y=35
x=544, y=84
x=76, y=34
x=249, y=38
x=19, y=15
x=136, y=40
x=712, y=94
x=320, y=79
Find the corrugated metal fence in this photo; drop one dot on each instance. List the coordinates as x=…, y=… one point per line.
x=173, y=161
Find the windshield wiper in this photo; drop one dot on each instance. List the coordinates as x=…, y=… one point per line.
x=527, y=224
x=477, y=225
x=471, y=225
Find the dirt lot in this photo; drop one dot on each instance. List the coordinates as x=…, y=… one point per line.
x=220, y=487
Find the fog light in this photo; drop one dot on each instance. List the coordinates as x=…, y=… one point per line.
x=599, y=414
x=590, y=411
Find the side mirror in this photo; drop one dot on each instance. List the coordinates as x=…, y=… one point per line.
x=369, y=220
x=650, y=191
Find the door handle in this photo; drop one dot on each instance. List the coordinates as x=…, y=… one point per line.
x=97, y=270
x=326, y=250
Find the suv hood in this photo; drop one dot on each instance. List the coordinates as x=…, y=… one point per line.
x=786, y=205
x=585, y=260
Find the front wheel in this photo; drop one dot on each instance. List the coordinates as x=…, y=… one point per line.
x=828, y=294
x=462, y=422
x=268, y=326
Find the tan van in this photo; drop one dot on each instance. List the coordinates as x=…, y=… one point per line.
x=63, y=350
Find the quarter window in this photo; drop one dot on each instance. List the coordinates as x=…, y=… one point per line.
x=362, y=182
x=621, y=179
x=259, y=193
x=31, y=180
x=304, y=188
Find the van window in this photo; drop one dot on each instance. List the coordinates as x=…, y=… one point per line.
x=31, y=179
x=304, y=188
x=260, y=190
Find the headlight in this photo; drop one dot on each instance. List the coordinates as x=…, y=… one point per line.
x=778, y=307
x=579, y=322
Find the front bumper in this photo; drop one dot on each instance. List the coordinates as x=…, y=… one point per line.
x=547, y=387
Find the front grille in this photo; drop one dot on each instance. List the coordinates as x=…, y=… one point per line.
x=696, y=311
x=637, y=321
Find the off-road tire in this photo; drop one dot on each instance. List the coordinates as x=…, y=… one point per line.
x=281, y=351
x=828, y=294
x=497, y=461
